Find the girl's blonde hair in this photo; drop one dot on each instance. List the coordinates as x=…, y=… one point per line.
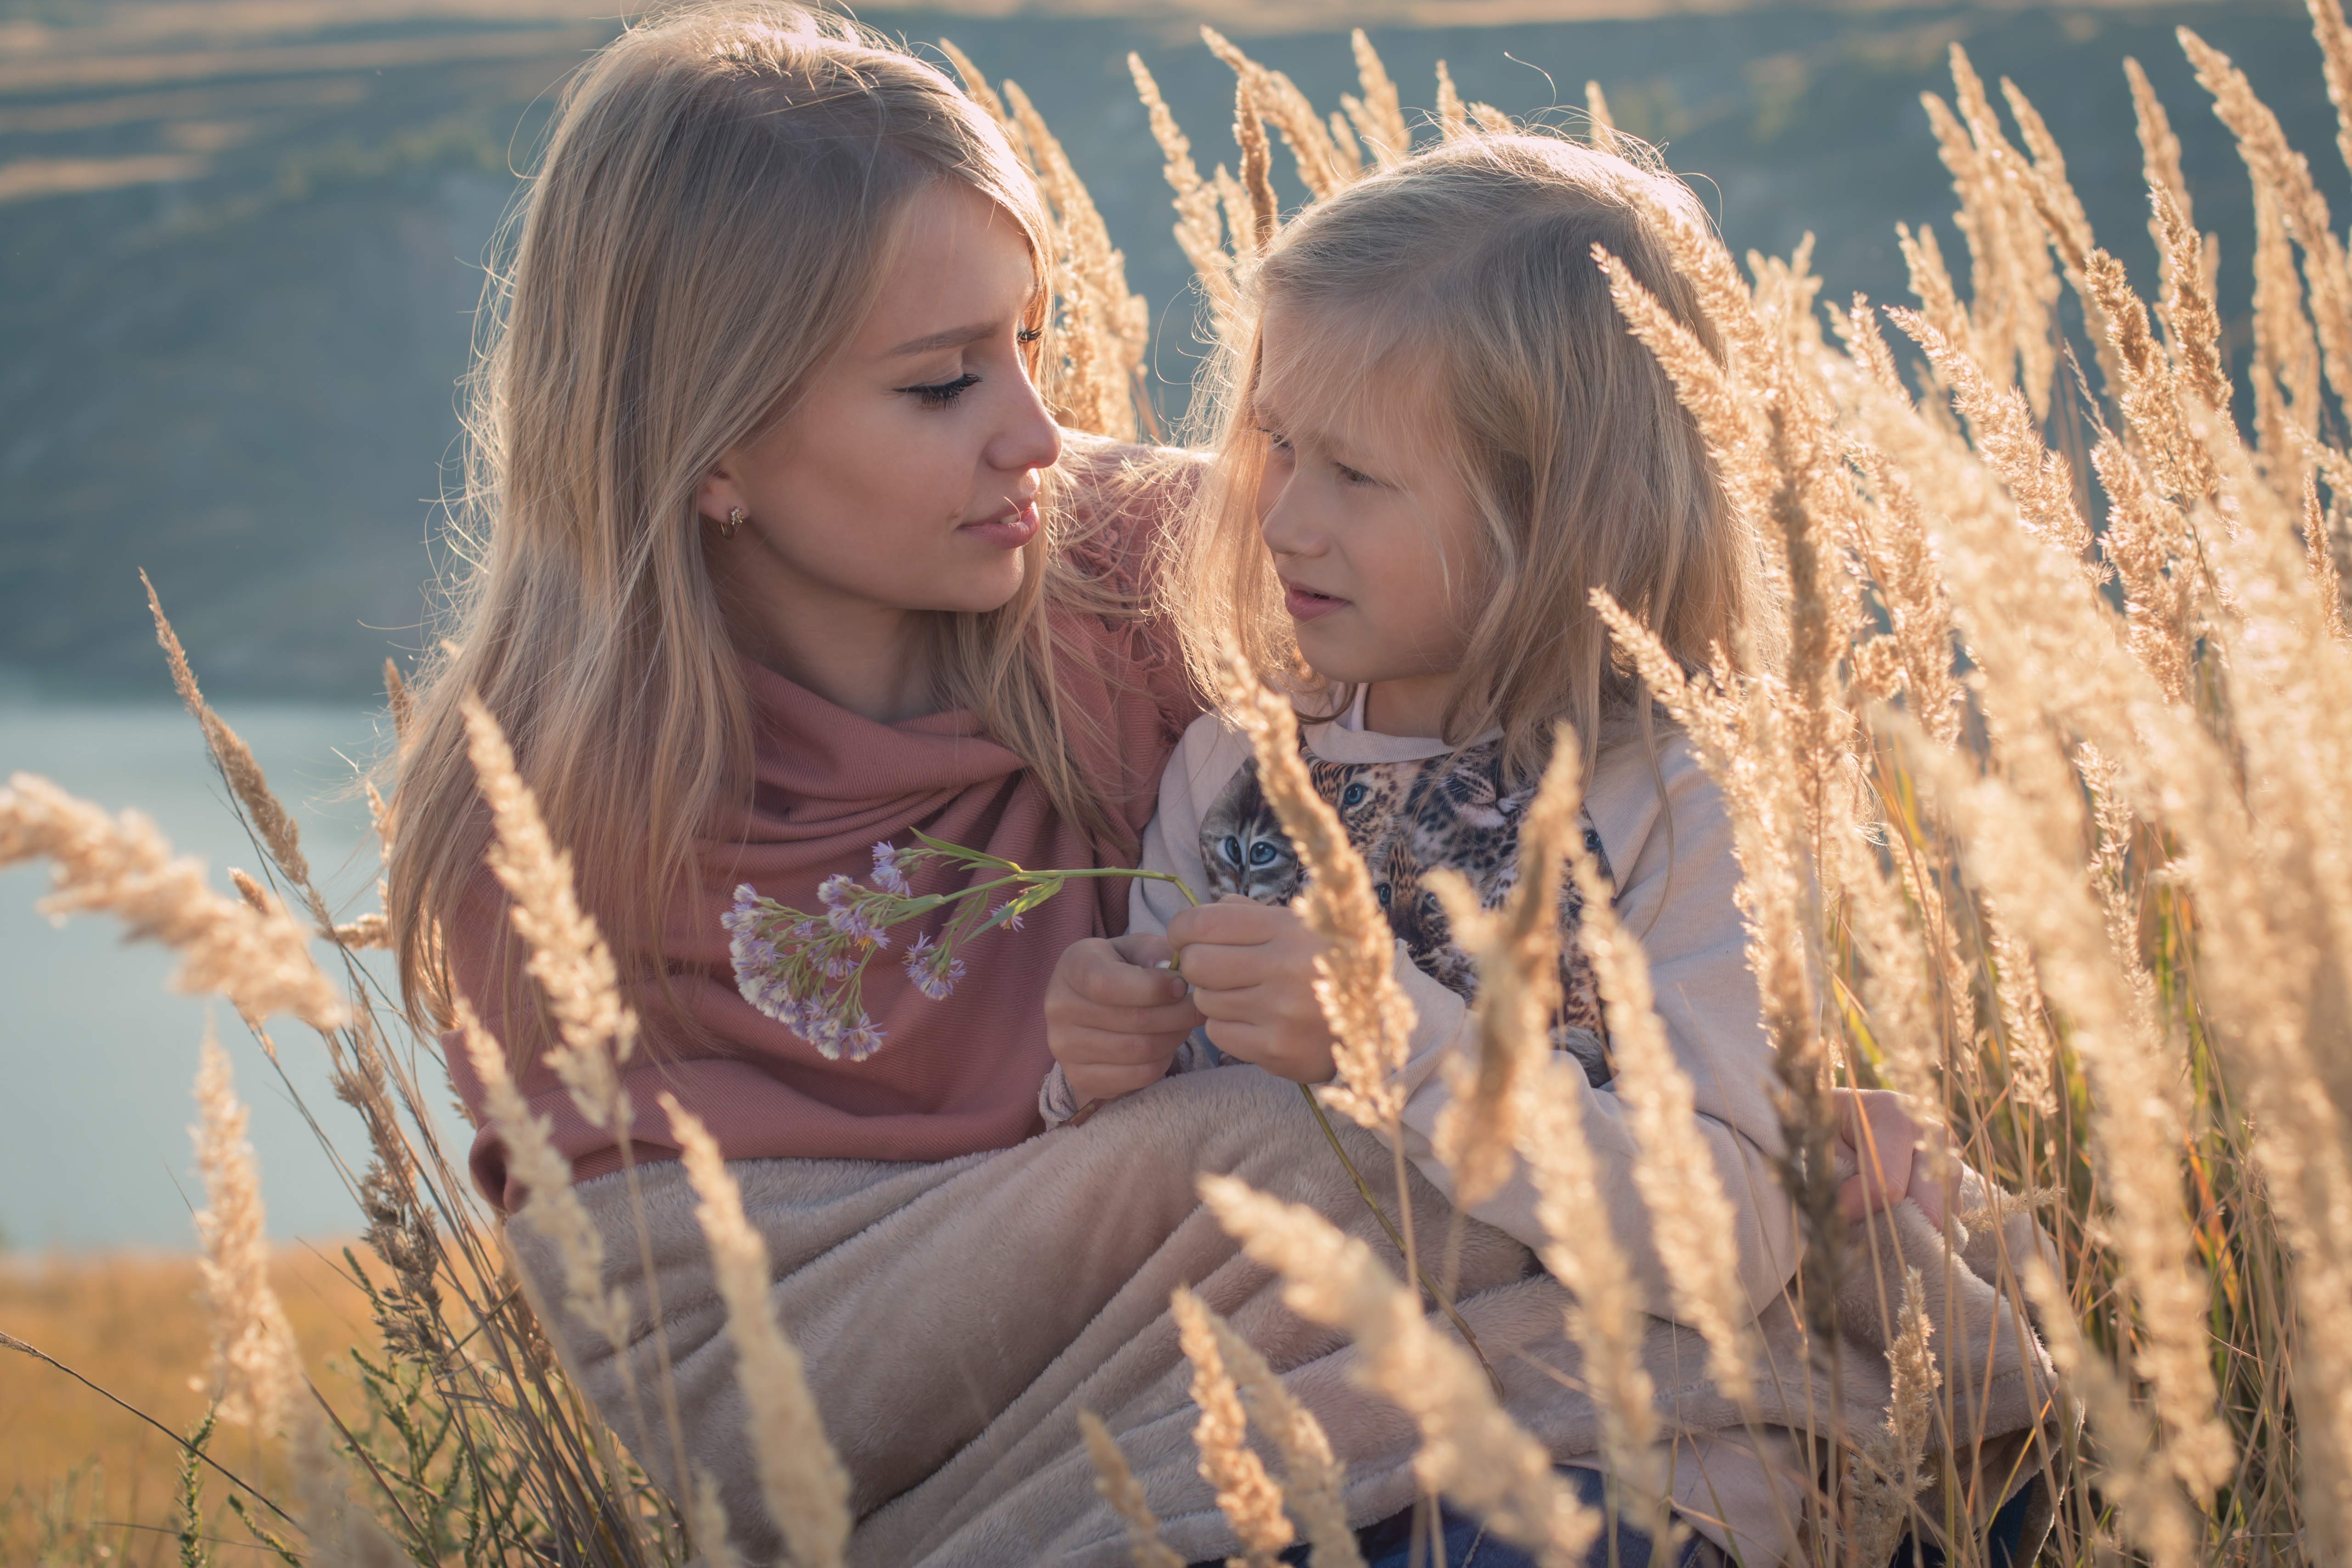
x=713, y=214
x=1461, y=283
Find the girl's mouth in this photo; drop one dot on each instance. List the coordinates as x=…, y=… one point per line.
x=1307, y=604
x=1011, y=529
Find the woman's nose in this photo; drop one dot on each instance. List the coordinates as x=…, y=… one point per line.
x=1029, y=438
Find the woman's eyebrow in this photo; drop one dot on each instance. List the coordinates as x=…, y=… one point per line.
x=953, y=338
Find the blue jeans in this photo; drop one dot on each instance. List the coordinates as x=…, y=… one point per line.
x=1468, y=1544
x=1389, y=1543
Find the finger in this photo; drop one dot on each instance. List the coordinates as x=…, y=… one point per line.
x=1115, y=983
x=1090, y=1048
x=1144, y=949
x=1230, y=921
x=1215, y=966
x=1242, y=1041
x=1177, y=1018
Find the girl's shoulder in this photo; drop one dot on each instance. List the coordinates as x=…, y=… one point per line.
x=1654, y=804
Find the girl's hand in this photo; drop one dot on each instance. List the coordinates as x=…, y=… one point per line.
x=1112, y=1020
x=1252, y=966
x=1892, y=1155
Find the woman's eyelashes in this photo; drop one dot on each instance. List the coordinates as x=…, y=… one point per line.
x=939, y=394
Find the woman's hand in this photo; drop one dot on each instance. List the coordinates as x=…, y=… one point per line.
x=1252, y=966
x=1893, y=1156
x=1112, y=1020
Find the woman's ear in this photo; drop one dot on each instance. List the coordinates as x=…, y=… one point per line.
x=718, y=494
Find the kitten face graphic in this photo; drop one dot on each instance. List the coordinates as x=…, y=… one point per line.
x=1244, y=848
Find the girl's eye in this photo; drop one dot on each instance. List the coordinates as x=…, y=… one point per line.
x=1276, y=439
x=1352, y=477
x=1028, y=335
x=939, y=394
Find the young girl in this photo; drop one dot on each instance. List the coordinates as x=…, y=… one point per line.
x=1440, y=439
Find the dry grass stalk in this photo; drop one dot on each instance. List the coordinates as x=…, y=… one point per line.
x=1105, y=328
x=401, y=704
x=1931, y=285
x=1250, y=1498
x=2286, y=372
x=568, y=957
x=2155, y=422
x=2190, y=317
x=550, y=1205
x=1371, y=1016
x=1600, y=125
x=256, y=1365
x=1119, y=1488
x=2009, y=435
x=1314, y=1479
x=1892, y=541
x=1605, y=1318
x=257, y=958
x=2146, y=541
x=1674, y=1171
x=1493, y=120
x=2159, y=149
x=1379, y=115
x=1517, y=951
x=1258, y=168
x=2135, y=1111
x=1470, y=1449
x=2319, y=551
x=2030, y=1046
x=1321, y=167
x=706, y=1517
x=1886, y=1472
x=2335, y=56
x=279, y=832
x=2273, y=162
x=805, y=1488
x=2147, y=1504
x=1897, y=987
x=1198, y=232
x=1453, y=120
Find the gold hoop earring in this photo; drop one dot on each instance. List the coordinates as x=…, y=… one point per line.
x=734, y=521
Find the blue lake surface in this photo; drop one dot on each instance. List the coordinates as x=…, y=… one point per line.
x=98, y=1054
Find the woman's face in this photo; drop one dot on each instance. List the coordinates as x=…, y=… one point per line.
x=906, y=478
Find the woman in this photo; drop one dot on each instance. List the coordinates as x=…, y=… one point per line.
x=782, y=554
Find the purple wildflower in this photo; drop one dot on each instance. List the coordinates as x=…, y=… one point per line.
x=863, y=1039
x=1006, y=914
x=887, y=874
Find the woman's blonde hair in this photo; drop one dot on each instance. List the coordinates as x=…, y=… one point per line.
x=712, y=216
x=1461, y=284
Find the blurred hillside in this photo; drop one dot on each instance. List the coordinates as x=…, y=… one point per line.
x=241, y=241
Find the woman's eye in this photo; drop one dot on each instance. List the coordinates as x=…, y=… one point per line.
x=939, y=394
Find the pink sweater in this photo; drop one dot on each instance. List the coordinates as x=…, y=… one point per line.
x=956, y=1075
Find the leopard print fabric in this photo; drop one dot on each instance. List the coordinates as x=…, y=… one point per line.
x=1402, y=818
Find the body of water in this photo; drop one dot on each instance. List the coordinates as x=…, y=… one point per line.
x=97, y=1053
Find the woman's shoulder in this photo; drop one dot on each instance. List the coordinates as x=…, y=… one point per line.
x=1117, y=503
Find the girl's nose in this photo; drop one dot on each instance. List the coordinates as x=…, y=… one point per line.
x=1284, y=520
x=1028, y=438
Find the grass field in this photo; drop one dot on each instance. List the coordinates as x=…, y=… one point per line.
x=82, y=1480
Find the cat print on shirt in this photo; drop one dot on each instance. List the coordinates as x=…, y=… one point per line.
x=1402, y=818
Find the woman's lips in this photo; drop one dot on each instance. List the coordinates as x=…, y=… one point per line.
x=1009, y=530
x=1307, y=604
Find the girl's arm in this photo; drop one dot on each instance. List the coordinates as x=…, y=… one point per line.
x=1675, y=876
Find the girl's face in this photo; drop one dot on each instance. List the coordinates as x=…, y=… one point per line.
x=1373, y=537
x=904, y=480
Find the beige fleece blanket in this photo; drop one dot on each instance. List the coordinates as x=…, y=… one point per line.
x=956, y=1318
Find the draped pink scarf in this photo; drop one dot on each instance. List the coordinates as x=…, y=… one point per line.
x=955, y=1075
